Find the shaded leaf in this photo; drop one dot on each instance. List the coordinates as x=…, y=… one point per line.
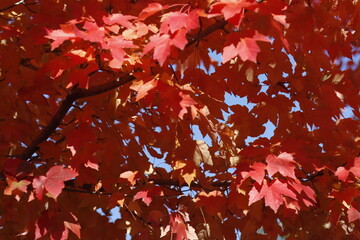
x=214, y=202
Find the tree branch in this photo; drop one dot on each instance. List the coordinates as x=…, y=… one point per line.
x=70, y=187
x=216, y=26
x=64, y=108
x=86, y=191
x=82, y=93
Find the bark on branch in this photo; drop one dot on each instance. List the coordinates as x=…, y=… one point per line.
x=64, y=108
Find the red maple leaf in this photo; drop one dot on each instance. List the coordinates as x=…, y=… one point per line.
x=53, y=182
x=142, y=89
x=73, y=136
x=93, y=32
x=309, y=192
x=150, y=10
x=57, y=225
x=178, y=226
x=258, y=173
x=353, y=214
x=173, y=31
x=161, y=45
x=147, y=195
x=284, y=164
x=179, y=40
x=81, y=76
x=214, y=202
x=130, y=176
x=356, y=168
x=16, y=187
x=174, y=21
x=272, y=193
x=17, y=167
x=120, y=19
x=116, y=45
x=233, y=11
x=246, y=48
x=59, y=36
x=186, y=101
x=342, y=173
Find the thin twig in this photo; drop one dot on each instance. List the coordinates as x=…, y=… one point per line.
x=87, y=192
x=216, y=26
x=174, y=73
x=21, y=2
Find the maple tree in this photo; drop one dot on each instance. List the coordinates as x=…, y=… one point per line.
x=121, y=105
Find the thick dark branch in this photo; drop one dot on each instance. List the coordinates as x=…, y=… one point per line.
x=82, y=93
x=50, y=128
x=64, y=108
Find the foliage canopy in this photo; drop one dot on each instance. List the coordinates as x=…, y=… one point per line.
x=121, y=104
